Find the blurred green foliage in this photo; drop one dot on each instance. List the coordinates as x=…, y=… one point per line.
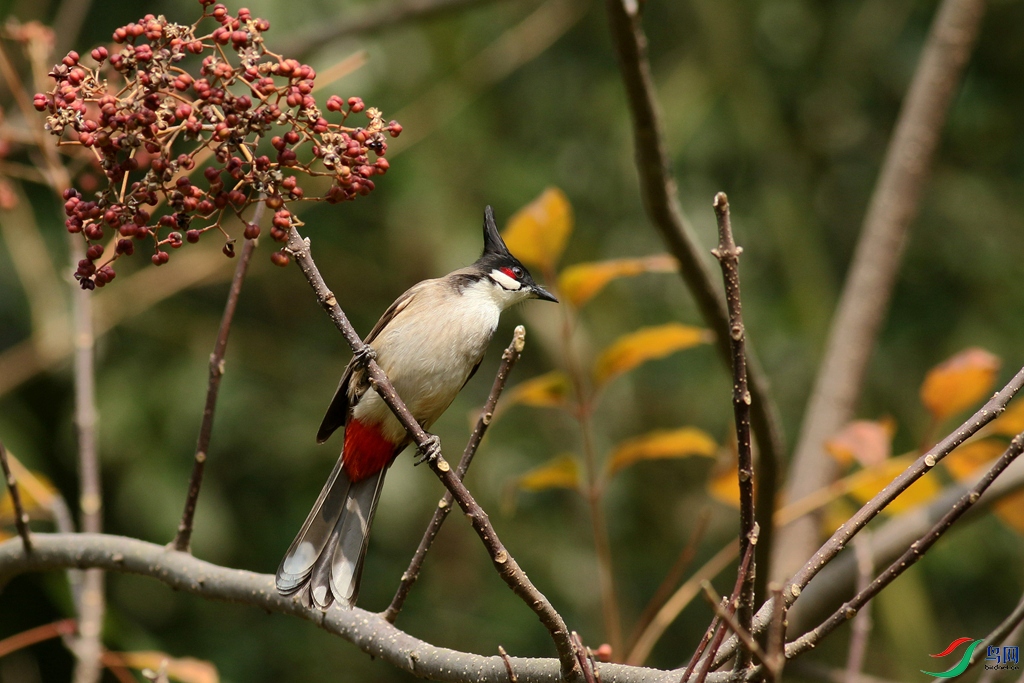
x=787, y=105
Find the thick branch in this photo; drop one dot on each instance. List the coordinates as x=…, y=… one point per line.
x=20, y=516
x=728, y=255
x=872, y=275
x=183, y=539
x=914, y=553
x=409, y=577
x=504, y=563
x=660, y=195
x=370, y=632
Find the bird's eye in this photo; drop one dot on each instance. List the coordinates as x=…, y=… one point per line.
x=517, y=271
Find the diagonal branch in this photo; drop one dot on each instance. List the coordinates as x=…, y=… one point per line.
x=660, y=196
x=872, y=275
x=370, y=632
x=844, y=534
x=504, y=563
x=183, y=539
x=444, y=507
x=914, y=553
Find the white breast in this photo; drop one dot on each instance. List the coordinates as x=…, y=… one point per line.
x=428, y=351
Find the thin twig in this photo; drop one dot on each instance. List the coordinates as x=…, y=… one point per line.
x=872, y=274
x=728, y=255
x=715, y=600
x=508, y=665
x=679, y=600
x=716, y=642
x=410, y=575
x=379, y=16
x=18, y=641
x=777, y=632
x=862, y=622
x=711, y=631
x=911, y=556
x=183, y=539
x=1001, y=633
x=660, y=196
x=672, y=578
x=91, y=605
x=504, y=563
x=20, y=516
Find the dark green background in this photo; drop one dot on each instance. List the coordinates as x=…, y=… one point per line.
x=786, y=105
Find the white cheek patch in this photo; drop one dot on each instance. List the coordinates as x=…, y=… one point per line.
x=505, y=281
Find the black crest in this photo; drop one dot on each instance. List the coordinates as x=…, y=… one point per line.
x=493, y=244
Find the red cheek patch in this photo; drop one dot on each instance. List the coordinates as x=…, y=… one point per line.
x=508, y=271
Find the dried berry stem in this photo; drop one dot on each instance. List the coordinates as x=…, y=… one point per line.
x=444, y=507
x=182, y=540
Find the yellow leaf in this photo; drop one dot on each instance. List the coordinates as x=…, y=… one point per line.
x=965, y=460
x=537, y=233
x=871, y=481
x=675, y=443
x=548, y=390
x=959, y=382
x=579, y=283
x=835, y=514
x=36, y=491
x=869, y=442
x=1011, y=422
x=184, y=669
x=1011, y=511
x=648, y=343
x=724, y=486
x=562, y=472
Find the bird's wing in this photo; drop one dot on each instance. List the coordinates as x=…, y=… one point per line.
x=353, y=385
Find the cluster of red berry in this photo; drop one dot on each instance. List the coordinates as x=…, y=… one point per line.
x=149, y=123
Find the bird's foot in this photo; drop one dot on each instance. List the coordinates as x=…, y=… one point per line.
x=430, y=451
x=364, y=355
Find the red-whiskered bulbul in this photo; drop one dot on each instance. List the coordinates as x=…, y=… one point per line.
x=429, y=343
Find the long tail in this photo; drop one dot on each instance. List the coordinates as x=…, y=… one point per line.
x=327, y=554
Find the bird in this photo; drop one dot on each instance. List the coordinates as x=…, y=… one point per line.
x=429, y=343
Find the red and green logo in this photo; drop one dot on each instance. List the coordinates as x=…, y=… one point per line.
x=965, y=660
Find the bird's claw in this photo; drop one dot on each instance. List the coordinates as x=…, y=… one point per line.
x=364, y=355
x=430, y=451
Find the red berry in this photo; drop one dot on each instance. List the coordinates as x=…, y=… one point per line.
x=279, y=258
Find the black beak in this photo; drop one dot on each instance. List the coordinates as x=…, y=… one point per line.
x=542, y=294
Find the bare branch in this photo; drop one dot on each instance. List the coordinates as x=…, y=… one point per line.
x=837, y=582
x=20, y=516
x=64, y=627
x=872, y=274
x=370, y=632
x=183, y=539
x=504, y=563
x=1011, y=624
x=911, y=556
x=842, y=536
x=91, y=605
x=660, y=196
x=716, y=642
x=728, y=255
x=409, y=577
x=715, y=600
